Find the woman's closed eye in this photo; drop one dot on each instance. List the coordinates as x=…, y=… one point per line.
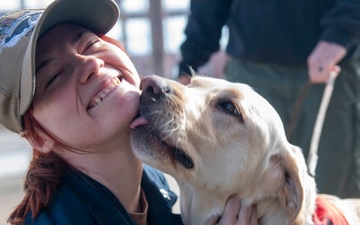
x=91, y=44
x=52, y=79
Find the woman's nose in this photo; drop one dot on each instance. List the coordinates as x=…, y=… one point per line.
x=88, y=66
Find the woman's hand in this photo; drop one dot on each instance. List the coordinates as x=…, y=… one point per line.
x=235, y=214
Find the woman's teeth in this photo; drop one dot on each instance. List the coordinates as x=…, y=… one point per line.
x=101, y=95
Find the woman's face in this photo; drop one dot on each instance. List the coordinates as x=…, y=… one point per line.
x=87, y=90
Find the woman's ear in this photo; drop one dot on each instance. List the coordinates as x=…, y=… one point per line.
x=47, y=146
x=41, y=142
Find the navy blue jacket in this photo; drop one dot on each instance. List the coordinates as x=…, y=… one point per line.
x=270, y=31
x=83, y=201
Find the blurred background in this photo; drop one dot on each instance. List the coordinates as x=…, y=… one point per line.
x=151, y=31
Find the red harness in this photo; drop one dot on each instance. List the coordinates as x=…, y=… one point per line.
x=327, y=214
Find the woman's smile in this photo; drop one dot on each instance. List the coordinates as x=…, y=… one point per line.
x=103, y=93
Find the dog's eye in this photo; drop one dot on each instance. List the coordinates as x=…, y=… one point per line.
x=230, y=107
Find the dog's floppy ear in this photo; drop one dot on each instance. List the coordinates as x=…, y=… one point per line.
x=291, y=194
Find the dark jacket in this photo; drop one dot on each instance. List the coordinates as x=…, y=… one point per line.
x=270, y=31
x=83, y=201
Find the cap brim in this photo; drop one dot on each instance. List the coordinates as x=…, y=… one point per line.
x=98, y=16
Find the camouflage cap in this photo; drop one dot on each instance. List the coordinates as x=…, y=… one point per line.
x=19, y=32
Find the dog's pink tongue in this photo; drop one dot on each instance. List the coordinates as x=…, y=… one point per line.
x=139, y=121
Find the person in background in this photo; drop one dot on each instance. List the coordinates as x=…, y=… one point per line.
x=277, y=47
x=72, y=92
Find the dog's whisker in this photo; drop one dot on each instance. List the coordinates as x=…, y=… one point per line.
x=172, y=102
x=168, y=128
x=170, y=131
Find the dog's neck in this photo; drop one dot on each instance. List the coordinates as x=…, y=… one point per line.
x=198, y=205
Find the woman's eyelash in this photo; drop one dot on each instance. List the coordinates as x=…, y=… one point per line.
x=91, y=43
x=52, y=79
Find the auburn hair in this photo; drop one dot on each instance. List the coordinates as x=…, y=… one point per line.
x=45, y=172
x=42, y=178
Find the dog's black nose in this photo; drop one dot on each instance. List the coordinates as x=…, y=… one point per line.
x=154, y=85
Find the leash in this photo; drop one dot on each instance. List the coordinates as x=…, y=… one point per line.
x=297, y=106
x=314, y=144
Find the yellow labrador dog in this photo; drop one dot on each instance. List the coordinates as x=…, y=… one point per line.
x=218, y=139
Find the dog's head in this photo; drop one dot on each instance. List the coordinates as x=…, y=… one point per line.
x=221, y=138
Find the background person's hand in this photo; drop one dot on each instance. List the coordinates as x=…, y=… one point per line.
x=235, y=214
x=323, y=60
x=184, y=79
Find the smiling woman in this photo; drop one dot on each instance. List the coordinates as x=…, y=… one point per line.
x=76, y=116
x=96, y=79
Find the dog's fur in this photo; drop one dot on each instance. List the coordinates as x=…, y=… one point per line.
x=218, y=139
